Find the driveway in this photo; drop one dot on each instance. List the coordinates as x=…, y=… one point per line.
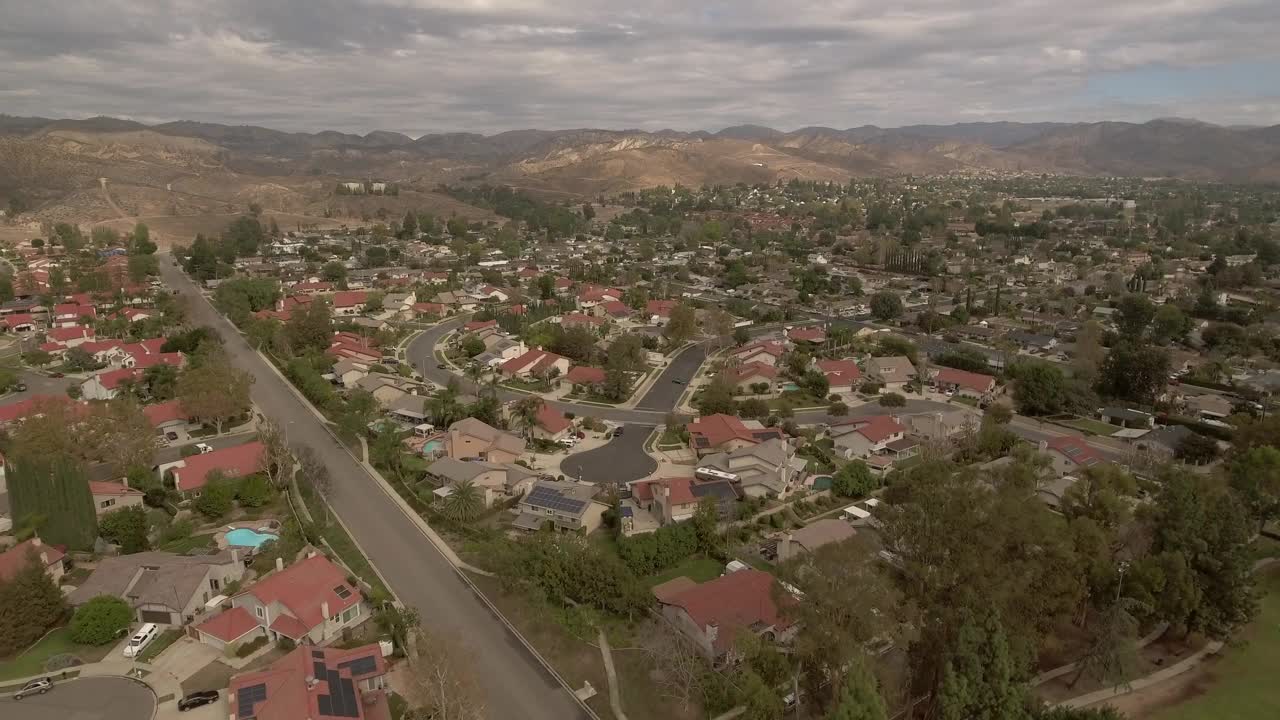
x=185, y=658
x=618, y=461
x=95, y=698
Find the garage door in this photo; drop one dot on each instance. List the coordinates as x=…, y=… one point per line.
x=156, y=616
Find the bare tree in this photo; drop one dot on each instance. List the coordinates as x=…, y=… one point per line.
x=313, y=474
x=279, y=457
x=441, y=683
x=682, y=668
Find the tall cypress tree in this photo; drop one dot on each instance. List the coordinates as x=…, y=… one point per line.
x=53, y=492
x=30, y=604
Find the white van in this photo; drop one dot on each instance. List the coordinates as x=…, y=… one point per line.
x=141, y=639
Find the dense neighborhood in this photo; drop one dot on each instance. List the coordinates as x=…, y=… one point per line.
x=936, y=447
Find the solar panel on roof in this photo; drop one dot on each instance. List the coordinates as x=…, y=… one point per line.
x=350, y=709
x=318, y=669
x=342, y=591
x=361, y=665
x=248, y=697
x=326, y=707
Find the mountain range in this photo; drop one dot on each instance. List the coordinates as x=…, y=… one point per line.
x=187, y=168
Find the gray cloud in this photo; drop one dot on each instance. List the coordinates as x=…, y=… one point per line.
x=490, y=65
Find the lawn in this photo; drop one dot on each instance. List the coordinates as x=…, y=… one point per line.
x=795, y=400
x=1243, y=685
x=1095, y=427
x=159, y=645
x=57, y=642
x=698, y=569
x=186, y=544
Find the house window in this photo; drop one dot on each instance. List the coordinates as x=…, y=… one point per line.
x=261, y=612
x=350, y=614
x=107, y=503
x=214, y=583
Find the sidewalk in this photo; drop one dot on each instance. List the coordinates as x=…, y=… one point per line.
x=167, y=688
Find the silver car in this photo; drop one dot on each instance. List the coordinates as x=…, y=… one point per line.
x=34, y=687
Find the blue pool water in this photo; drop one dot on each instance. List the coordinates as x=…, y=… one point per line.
x=789, y=387
x=245, y=537
x=432, y=446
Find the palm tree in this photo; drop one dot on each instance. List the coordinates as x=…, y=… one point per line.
x=464, y=504
x=525, y=413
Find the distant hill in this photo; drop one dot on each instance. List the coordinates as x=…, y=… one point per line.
x=188, y=167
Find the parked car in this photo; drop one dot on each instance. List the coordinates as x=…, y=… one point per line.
x=40, y=687
x=141, y=640
x=567, y=441
x=197, y=699
x=20, y=387
x=441, y=366
x=56, y=375
x=204, y=448
x=677, y=381
x=618, y=432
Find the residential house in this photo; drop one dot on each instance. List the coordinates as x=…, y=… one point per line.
x=768, y=353
x=20, y=323
x=1032, y=342
x=894, y=372
x=807, y=335
x=585, y=377
x=865, y=436
x=69, y=337
x=108, y=496
x=536, y=363
x=567, y=505
x=169, y=417
x=1164, y=440
x=550, y=424
x=658, y=312
x=470, y=438
x=107, y=385
x=726, y=433
x=309, y=602
x=1069, y=454
x=348, y=303
x=70, y=314
x=578, y=320
x=1208, y=406
x=843, y=376
x=673, y=500
x=386, y=389
x=712, y=614
x=1127, y=418
x=314, y=684
x=942, y=426
x=472, y=326
x=753, y=378
x=615, y=309
x=49, y=557
x=348, y=372
x=766, y=469
x=963, y=383
x=498, y=481
x=192, y=473
x=428, y=310
x=162, y=587
x=813, y=536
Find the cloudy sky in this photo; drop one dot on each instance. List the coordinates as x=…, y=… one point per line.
x=489, y=65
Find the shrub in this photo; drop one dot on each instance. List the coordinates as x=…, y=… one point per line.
x=892, y=400
x=215, y=499
x=61, y=661
x=251, y=647
x=100, y=620
x=254, y=491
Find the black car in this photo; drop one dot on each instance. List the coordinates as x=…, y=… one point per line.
x=197, y=699
x=618, y=432
x=20, y=387
x=441, y=366
x=677, y=381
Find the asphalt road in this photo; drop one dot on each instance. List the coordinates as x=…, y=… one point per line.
x=95, y=698
x=515, y=685
x=665, y=392
x=619, y=461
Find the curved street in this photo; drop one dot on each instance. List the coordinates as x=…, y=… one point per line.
x=93, y=698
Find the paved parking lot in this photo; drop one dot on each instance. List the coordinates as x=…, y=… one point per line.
x=97, y=698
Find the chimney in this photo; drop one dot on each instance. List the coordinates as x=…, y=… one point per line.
x=1042, y=445
x=279, y=563
x=125, y=481
x=44, y=559
x=35, y=542
x=311, y=682
x=235, y=555
x=324, y=609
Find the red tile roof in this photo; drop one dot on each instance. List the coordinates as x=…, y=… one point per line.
x=290, y=696
x=875, y=428
x=289, y=626
x=718, y=429
x=173, y=359
x=18, y=319
x=229, y=625
x=661, y=308
x=428, y=308
x=68, y=310
x=475, y=325
x=730, y=603
x=769, y=347
x=681, y=490
x=552, y=420
x=585, y=375
x=237, y=461
x=165, y=412
x=111, y=379
x=533, y=361
x=840, y=372
x=807, y=334
x=304, y=587
x=28, y=406
x=350, y=298
x=1075, y=448
x=743, y=373
x=15, y=558
x=617, y=308
x=70, y=333
x=964, y=378
x=112, y=488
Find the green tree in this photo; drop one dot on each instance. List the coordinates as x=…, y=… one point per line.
x=334, y=272
x=464, y=503
x=854, y=480
x=30, y=605
x=741, y=336
x=682, y=325
x=216, y=496
x=1040, y=389
x=101, y=620
x=409, y=226
x=126, y=527
x=859, y=699
x=1255, y=477
x=979, y=680
x=310, y=327
x=886, y=305
x=254, y=491
x=892, y=400
x=52, y=491
x=1134, y=372
x=1169, y=324
x=213, y=390
x=472, y=346
x=717, y=397
x=1134, y=314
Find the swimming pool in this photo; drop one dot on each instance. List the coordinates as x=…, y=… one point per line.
x=245, y=537
x=432, y=446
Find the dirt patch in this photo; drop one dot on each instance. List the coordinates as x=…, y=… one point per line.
x=1149, y=702
x=213, y=676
